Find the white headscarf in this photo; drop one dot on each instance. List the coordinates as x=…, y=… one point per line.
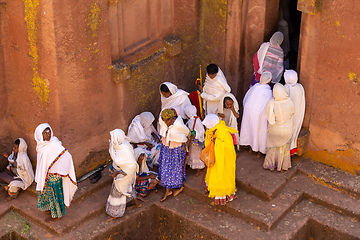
x=143, y=168
x=265, y=77
x=24, y=168
x=233, y=120
x=210, y=121
x=220, y=79
x=290, y=77
x=123, y=158
x=178, y=99
x=47, y=152
x=277, y=38
x=140, y=128
x=279, y=112
x=191, y=113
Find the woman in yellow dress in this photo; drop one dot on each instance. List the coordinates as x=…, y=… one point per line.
x=220, y=178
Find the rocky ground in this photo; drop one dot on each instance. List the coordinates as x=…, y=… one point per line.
x=310, y=201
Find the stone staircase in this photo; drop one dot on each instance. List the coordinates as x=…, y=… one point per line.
x=310, y=201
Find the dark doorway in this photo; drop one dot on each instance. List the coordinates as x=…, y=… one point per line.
x=289, y=24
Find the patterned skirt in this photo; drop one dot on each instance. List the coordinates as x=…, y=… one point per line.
x=52, y=199
x=278, y=158
x=171, y=165
x=116, y=203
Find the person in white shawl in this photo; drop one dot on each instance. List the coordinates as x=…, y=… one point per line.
x=269, y=57
x=20, y=165
x=172, y=97
x=214, y=87
x=297, y=94
x=279, y=112
x=142, y=133
x=228, y=110
x=172, y=153
x=198, y=138
x=55, y=174
x=254, y=124
x=123, y=170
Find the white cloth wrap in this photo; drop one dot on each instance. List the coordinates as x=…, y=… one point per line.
x=177, y=132
x=24, y=167
x=254, y=124
x=297, y=94
x=210, y=121
x=143, y=168
x=140, y=128
x=47, y=151
x=190, y=112
x=123, y=157
x=213, y=89
x=279, y=112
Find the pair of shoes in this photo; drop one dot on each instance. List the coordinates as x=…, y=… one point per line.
x=95, y=177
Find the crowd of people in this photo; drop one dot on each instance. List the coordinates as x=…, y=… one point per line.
x=147, y=157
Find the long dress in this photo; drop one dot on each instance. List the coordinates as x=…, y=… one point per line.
x=297, y=94
x=122, y=190
x=172, y=155
x=279, y=112
x=254, y=124
x=55, y=174
x=220, y=178
x=213, y=90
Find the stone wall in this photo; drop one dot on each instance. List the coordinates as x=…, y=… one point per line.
x=329, y=71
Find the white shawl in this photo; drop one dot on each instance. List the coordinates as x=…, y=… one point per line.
x=213, y=89
x=190, y=112
x=254, y=124
x=178, y=99
x=24, y=168
x=297, y=94
x=232, y=119
x=279, y=112
x=177, y=132
x=123, y=158
x=143, y=168
x=140, y=128
x=47, y=152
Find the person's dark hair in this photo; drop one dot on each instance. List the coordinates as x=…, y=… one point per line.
x=164, y=88
x=227, y=99
x=212, y=69
x=17, y=142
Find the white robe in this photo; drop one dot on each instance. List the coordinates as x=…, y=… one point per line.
x=254, y=124
x=213, y=90
x=47, y=151
x=297, y=94
x=230, y=119
x=24, y=169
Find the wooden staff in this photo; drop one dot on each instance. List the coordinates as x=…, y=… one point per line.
x=187, y=153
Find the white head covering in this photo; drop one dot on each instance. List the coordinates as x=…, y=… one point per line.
x=123, y=158
x=24, y=168
x=140, y=128
x=279, y=92
x=47, y=152
x=190, y=111
x=290, y=77
x=210, y=121
x=146, y=119
x=265, y=77
x=277, y=38
x=143, y=168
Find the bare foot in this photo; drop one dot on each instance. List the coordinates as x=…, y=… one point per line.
x=141, y=198
x=177, y=192
x=259, y=155
x=50, y=219
x=48, y=212
x=110, y=219
x=250, y=151
x=135, y=206
x=167, y=193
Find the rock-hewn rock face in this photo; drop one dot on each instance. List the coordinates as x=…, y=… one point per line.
x=329, y=65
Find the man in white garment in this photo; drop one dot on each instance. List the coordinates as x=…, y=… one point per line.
x=254, y=124
x=215, y=86
x=297, y=94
